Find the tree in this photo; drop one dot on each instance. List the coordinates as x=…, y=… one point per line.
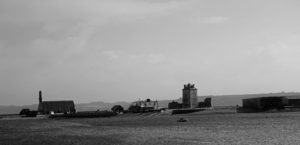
x=24, y=112
x=117, y=109
x=28, y=113
x=148, y=100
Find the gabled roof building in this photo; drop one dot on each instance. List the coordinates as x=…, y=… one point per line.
x=64, y=106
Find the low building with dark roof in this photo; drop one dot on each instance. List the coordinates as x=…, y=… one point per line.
x=174, y=105
x=206, y=103
x=265, y=103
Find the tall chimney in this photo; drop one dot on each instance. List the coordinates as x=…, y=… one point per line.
x=40, y=96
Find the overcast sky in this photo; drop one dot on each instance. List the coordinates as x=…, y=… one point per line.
x=124, y=50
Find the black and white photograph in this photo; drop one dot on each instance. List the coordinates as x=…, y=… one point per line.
x=149, y=72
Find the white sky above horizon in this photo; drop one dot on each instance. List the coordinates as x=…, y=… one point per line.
x=114, y=50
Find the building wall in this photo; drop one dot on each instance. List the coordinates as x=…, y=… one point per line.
x=294, y=102
x=205, y=103
x=194, y=98
x=46, y=107
x=252, y=103
x=185, y=98
x=174, y=105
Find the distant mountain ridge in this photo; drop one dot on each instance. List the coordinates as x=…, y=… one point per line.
x=217, y=100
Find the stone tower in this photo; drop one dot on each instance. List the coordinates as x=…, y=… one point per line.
x=40, y=97
x=189, y=96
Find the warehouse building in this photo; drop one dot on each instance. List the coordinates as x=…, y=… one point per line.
x=265, y=103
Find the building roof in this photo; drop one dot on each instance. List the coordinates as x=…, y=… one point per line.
x=293, y=97
x=60, y=101
x=57, y=106
x=288, y=97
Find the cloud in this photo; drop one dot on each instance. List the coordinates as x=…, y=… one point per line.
x=155, y=58
x=126, y=57
x=56, y=10
x=58, y=29
x=112, y=55
x=281, y=54
x=210, y=20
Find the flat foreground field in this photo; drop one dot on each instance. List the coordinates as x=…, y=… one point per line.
x=156, y=129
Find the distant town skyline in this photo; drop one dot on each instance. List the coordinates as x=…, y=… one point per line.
x=112, y=50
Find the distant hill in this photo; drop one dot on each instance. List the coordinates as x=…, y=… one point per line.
x=231, y=100
x=93, y=106
x=16, y=109
x=218, y=100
